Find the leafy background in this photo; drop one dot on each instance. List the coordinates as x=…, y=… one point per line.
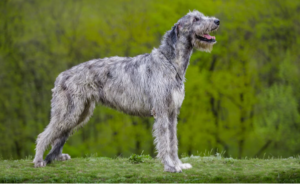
x=242, y=99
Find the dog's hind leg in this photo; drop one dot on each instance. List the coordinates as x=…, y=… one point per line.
x=56, y=151
x=43, y=140
x=57, y=145
x=86, y=114
x=68, y=113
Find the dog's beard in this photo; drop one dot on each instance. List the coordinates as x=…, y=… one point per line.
x=203, y=46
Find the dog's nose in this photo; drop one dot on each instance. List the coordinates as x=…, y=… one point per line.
x=217, y=21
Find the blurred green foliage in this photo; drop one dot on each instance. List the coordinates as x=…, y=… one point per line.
x=243, y=98
x=135, y=159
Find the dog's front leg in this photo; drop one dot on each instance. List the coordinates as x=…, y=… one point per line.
x=174, y=142
x=161, y=133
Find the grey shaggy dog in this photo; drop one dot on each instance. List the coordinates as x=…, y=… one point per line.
x=145, y=85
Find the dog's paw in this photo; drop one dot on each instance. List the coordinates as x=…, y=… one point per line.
x=175, y=169
x=40, y=163
x=185, y=166
x=63, y=157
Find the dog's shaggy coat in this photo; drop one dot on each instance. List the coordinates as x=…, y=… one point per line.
x=145, y=85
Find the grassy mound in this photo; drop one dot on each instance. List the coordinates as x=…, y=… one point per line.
x=145, y=169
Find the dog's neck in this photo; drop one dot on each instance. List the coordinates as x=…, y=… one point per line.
x=177, y=52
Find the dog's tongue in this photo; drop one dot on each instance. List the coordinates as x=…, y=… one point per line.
x=207, y=36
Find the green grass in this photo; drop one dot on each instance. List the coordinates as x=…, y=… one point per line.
x=103, y=169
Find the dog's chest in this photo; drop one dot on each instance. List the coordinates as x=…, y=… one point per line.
x=178, y=96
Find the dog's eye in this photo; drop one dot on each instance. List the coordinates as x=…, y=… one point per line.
x=196, y=19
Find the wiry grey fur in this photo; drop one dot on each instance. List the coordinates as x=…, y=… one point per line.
x=145, y=85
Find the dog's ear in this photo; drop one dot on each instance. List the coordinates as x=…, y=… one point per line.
x=174, y=33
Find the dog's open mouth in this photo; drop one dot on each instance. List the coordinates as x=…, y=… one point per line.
x=206, y=38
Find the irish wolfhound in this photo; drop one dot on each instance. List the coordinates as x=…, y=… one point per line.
x=145, y=85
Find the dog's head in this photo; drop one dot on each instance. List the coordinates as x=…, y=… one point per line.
x=195, y=27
